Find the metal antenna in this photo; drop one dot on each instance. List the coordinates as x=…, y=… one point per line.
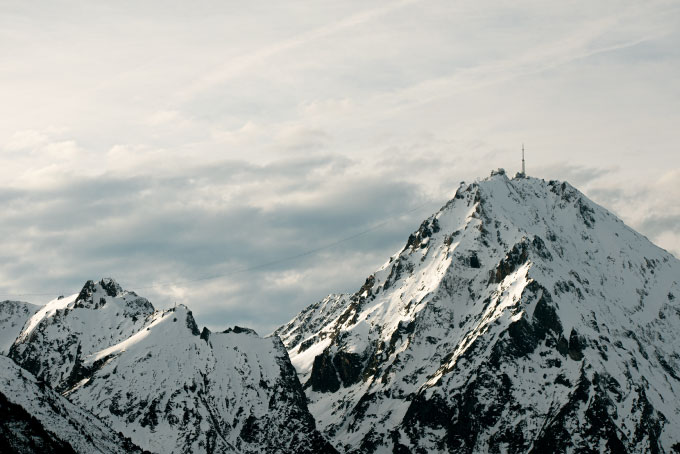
x=524, y=173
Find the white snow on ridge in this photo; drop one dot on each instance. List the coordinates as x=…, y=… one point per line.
x=45, y=311
x=132, y=341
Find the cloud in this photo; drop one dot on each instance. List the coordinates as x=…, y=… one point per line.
x=242, y=64
x=577, y=175
x=169, y=233
x=648, y=206
x=22, y=140
x=300, y=138
x=165, y=117
x=238, y=139
x=42, y=159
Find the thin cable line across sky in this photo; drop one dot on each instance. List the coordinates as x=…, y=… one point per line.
x=249, y=268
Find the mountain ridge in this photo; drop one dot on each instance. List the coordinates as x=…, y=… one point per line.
x=169, y=387
x=519, y=318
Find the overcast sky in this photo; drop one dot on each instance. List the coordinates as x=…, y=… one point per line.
x=163, y=143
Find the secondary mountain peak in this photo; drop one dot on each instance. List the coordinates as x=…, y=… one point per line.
x=153, y=376
x=56, y=340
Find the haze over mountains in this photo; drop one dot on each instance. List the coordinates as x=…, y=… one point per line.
x=521, y=317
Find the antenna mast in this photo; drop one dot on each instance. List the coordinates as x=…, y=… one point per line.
x=524, y=173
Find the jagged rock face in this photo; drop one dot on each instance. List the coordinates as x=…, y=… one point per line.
x=13, y=317
x=35, y=419
x=153, y=376
x=521, y=317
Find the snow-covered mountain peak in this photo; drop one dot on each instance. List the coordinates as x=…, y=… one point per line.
x=56, y=340
x=107, y=286
x=509, y=274
x=95, y=295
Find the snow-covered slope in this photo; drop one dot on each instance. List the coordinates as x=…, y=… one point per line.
x=35, y=419
x=521, y=317
x=153, y=376
x=13, y=317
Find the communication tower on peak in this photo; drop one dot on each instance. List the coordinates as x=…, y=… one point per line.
x=524, y=172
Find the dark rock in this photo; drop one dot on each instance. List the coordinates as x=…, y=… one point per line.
x=576, y=345
x=191, y=324
x=426, y=229
x=666, y=366
x=538, y=246
x=367, y=287
x=240, y=330
x=111, y=287
x=250, y=430
x=21, y=432
x=324, y=377
x=349, y=367
x=395, y=273
x=85, y=293
x=523, y=339
x=545, y=319
x=586, y=213
x=517, y=256
x=433, y=412
x=304, y=345
x=563, y=346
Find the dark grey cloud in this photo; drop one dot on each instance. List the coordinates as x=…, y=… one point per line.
x=135, y=229
x=658, y=224
x=649, y=208
x=610, y=196
x=576, y=175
